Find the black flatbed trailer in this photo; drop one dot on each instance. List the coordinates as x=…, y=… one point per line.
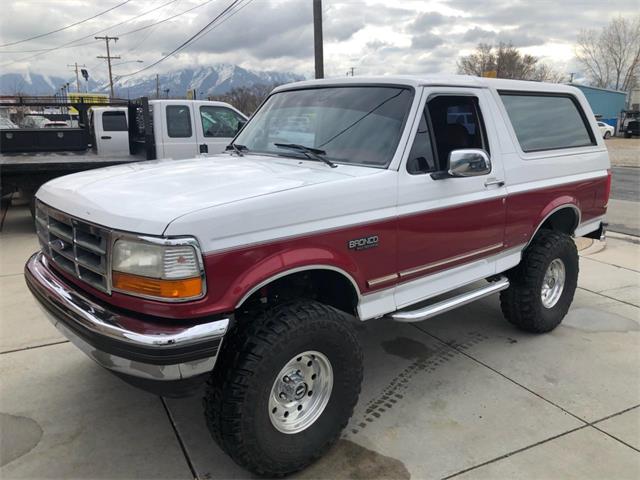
x=31, y=157
x=25, y=172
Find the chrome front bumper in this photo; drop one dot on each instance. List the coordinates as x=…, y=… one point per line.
x=144, y=351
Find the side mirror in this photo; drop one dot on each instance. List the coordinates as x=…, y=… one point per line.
x=240, y=125
x=469, y=162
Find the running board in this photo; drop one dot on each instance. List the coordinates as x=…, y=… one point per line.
x=450, y=303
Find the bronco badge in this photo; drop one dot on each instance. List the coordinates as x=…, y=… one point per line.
x=363, y=243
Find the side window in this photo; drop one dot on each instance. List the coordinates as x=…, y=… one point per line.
x=219, y=121
x=457, y=124
x=421, y=158
x=114, y=122
x=547, y=122
x=178, y=121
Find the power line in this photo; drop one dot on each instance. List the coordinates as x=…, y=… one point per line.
x=135, y=30
x=203, y=31
x=124, y=34
x=65, y=28
x=89, y=35
x=147, y=34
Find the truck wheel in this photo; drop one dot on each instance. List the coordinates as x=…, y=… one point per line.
x=543, y=284
x=284, y=388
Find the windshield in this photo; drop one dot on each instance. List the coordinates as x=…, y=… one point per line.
x=358, y=125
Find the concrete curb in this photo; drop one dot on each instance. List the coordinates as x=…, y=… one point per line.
x=624, y=236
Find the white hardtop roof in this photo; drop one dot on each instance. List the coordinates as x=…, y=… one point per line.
x=437, y=80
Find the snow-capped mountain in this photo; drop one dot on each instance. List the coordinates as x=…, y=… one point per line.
x=210, y=80
x=36, y=84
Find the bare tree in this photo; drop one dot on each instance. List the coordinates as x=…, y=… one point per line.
x=611, y=56
x=481, y=61
x=246, y=99
x=508, y=62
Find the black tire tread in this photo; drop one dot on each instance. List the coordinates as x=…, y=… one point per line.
x=520, y=302
x=243, y=350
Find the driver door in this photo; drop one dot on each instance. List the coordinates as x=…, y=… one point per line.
x=449, y=228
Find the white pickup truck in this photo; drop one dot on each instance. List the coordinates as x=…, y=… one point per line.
x=341, y=200
x=181, y=128
x=112, y=135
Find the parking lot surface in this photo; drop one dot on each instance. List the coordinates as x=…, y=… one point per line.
x=463, y=395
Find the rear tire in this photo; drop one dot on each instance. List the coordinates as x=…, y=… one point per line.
x=263, y=384
x=535, y=300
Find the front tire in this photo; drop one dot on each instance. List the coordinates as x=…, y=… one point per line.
x=543, y=284
x=607, y=135
x=284, y=388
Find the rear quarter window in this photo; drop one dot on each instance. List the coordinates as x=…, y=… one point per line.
x=546, y=121
x=179, y=121
x=114, y=122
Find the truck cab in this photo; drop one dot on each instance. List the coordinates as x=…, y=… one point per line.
x=187, y=128
x=181, y=128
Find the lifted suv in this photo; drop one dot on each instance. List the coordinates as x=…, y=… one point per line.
x=339, y=199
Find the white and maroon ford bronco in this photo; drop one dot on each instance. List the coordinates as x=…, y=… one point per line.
x=339, y=199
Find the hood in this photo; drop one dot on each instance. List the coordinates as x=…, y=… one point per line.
x=144, y=197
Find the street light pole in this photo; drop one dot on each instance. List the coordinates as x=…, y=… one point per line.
x=76, y=66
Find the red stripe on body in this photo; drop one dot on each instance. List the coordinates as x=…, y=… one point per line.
x=405, y=242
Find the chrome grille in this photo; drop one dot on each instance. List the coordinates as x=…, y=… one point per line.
x=78, y=247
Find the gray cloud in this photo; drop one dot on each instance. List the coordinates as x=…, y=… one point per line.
x=407, y=36
x=426, y=40
x=426, y=21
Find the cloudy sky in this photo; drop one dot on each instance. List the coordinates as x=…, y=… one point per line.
x=374, y=37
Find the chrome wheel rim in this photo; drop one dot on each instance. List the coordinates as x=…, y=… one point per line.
x=553, y=283
x=300, y=392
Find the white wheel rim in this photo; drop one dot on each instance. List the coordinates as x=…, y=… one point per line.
x=553, y=283
x=300, y=392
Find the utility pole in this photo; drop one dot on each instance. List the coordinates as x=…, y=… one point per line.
x=317, y=38
x=572, y=75
x=157, y=85
x=109, y=58
x=76, y=67
x=351, y=71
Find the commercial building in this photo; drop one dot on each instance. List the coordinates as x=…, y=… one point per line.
x=606, y=104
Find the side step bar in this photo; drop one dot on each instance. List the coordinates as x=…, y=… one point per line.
x=450, y=303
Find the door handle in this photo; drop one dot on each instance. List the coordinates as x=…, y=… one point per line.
x=105, y=137
x=493, y=181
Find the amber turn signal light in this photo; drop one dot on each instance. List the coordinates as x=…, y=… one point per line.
x=155, y=287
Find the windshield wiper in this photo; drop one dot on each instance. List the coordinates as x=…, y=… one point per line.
x=310, y=152
x=236, y=148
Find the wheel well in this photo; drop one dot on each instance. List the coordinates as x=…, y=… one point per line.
x=564, y=220
x=326, y=286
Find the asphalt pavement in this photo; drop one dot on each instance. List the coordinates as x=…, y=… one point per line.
x=625, y=183
x=623, y=213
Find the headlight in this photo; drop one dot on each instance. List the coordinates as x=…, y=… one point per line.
x=157, y=270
